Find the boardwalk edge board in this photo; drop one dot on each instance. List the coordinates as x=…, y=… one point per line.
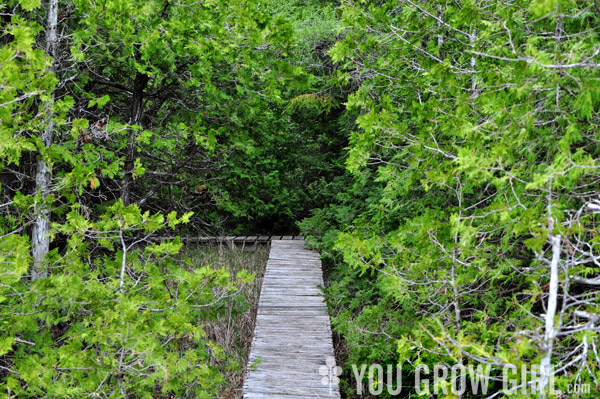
x=244, y=241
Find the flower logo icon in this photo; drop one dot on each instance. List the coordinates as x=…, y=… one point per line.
x=330, y=373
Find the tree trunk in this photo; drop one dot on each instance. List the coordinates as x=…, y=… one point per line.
x=139, y=85
x=40, y=240
x=550, y=325
x=551, y=329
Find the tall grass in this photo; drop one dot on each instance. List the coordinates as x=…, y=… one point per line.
x=232, y=319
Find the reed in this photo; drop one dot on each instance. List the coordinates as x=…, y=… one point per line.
x=230, y=322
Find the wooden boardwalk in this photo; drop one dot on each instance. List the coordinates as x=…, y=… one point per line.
x=244, y=242
x=292, y=350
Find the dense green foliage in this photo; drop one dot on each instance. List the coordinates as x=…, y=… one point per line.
x=475, y=178
x=145, y=110
x=443, y=156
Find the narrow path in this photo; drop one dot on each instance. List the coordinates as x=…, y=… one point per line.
x=292, y=350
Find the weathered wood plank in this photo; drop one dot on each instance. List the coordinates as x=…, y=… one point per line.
x=292, y=339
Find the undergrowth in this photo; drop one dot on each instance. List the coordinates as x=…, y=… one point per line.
x=233, y=318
